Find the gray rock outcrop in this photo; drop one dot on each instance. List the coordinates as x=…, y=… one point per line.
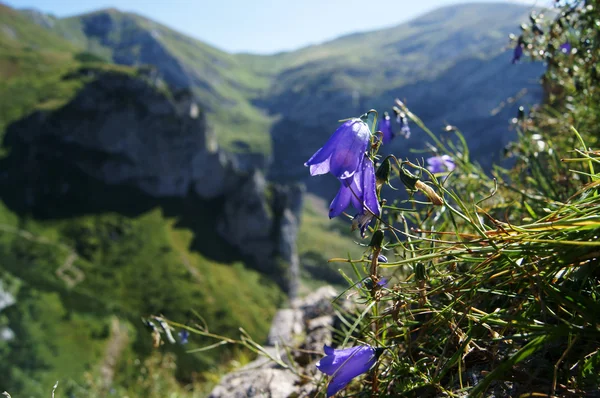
x=302, y=331
x=124, y=129
x=140, y=135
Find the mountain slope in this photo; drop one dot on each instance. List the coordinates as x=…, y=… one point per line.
x=418, y=49
x=449, y=66
x=222, y=84
x=252, y=100
x=80, y=254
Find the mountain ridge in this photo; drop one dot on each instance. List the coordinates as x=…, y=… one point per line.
x=236, y=88
x=341, y=36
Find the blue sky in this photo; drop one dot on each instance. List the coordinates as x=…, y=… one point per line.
x=259, y=26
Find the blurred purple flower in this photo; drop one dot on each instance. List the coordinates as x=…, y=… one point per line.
x=360, y=190
x=405, y=130
x=402, y=120
x=385, y=126
x=183, y=336
x=346, y=364
x=342, y=154
x=381, y=258
x=565, y=48
x=518, y=52
x=440, y=164
x=368, y=283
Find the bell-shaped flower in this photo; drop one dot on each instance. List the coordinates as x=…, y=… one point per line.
x=361, y=191
x=440, y=164
x=385, y=126
x=405, y=128
x=342, y=154
x=565, y=48
x=367, y=283
x=381, y=258
x=346, y=364
x=518, y=51
x=184, y=336
x=402, y=120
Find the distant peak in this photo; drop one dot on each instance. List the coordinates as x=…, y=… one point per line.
x=111, y=10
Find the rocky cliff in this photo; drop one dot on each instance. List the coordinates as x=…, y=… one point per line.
x=296, y=339
x=126, y=129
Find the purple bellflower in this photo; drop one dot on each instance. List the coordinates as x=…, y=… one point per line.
x=405, y=129
x=360, y=190
x=383, y=281
x=385, y=126
x=440, y=164
x=342, y=154
x=402, y=120
x=381, y=258
x=346, y=364
x=183, y=336
x=565, y=48
x=368, y=282
x=518, y=52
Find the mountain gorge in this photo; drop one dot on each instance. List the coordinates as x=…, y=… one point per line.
x=168, y=172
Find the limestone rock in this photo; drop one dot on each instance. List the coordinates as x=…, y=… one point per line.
x=272, y=383
x=124, y=129
x=311, y=319
x=286, y=324
x=318, y=303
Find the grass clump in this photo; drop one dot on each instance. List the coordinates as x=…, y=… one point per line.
x=492, y=284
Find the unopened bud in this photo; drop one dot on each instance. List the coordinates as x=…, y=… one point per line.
x=420, y=272
x=431, y=194
x=377, y=239
x=383, y=172
x=380, y=258
x=408, y=179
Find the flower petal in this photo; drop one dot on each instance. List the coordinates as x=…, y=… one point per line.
x=351, y=142
x=341, y=201
x=369, y=188
x=356, y=187
x=334, y=359
x=448, y=162
x=319, y=162
x=360, y=361
x=385, y=126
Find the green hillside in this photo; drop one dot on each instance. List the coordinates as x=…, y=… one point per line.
x=84, y=279
x=224, y=86
x=86, y=265
x=257, y=105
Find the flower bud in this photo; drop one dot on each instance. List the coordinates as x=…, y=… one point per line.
x=377, y=239
x=380, y=258
x=420, y=272
x=383, y=172
x=408, y=179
